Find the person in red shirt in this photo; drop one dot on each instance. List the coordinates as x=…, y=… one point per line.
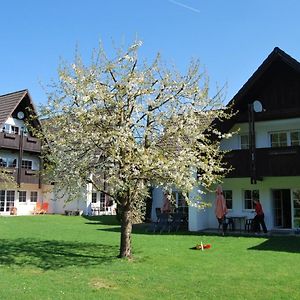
x=259, y=219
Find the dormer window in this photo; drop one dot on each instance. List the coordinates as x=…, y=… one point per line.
x=14, y=129
x=10, y=129
x=6, y=128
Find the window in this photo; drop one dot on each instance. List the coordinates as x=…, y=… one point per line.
x=22, y=196
x=244, y=141
x=8, y=162
x=295, y=138
x=10, y=200
x=179, y=199
x=249, y=195
x=27, y=164
x=6, y=128
x=3, y=162
x=228, y=197
x=33, y=196
x=14, y=129
x=278, y=139
x=94, y=197
x=2, y=200
x=296, y=208
x=102, y=201
x=102, y=197
x=11, y=162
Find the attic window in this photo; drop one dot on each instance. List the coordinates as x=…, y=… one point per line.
x=6, y=128
x=14, y=129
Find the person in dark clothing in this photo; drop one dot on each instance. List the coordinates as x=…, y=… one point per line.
x=259, y=219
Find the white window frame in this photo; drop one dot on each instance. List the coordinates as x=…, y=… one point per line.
x=26, y=160
x=288, y=137
x=14, y=129
x=295, y=219
x=228, y=199
x=94, y=194
x=295, y=131
x=249, y=199
x=31, y=196
x=20, y=193
x=246, y=146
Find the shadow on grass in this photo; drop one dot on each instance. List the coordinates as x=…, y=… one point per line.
x=53, y=255
x=103, y=220
x=289, y=244
x=144, y=229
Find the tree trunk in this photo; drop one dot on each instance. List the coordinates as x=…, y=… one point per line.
x=126, y=229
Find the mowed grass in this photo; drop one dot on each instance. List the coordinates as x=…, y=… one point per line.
x=60, y=257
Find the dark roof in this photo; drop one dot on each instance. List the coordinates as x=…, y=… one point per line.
x=284, y=100
x=9, y=102
x=276, y=54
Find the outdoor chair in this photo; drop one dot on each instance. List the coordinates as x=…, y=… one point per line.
x=37, y=209
x=41, y=208
x=176, y=221
x=249, y=225
x=157, y=213
x=45, y=207
x=162, y=224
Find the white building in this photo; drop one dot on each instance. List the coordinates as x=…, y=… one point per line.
x=265, y=153
x=20, y=156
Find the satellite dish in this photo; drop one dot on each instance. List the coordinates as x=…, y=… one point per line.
x=257, y=106
x=20, y=115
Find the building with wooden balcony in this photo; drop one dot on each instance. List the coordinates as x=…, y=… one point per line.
x=20, y=155
x=263, y=158
x=20, y=158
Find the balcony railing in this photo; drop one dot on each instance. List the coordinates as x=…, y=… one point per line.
x=26, y=176
x=283, y=161
x=12, y=141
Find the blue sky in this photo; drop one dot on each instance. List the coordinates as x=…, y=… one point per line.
x=231, y=38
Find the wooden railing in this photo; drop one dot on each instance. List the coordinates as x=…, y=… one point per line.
x=12, y=141
x=281, y=161
x=26, y=176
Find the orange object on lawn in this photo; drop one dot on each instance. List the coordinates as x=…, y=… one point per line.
x=202, y=246
x=41, y=208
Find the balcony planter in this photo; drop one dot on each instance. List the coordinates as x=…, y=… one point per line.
x=30, y=172
x=11, y=136
x=31, y=140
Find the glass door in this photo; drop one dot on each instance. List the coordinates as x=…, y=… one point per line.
x=282, y=208
x=296, y=208
x=7, y=200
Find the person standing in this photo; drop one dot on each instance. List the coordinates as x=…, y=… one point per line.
x=259, y=218
x=166, y=208
x=221, y=209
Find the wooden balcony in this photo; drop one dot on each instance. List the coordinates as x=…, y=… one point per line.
x=283, y=161
x=27, y=176
x=12, y=141
x=30, y=176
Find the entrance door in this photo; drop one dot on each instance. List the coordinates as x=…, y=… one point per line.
x=282, y=208
x=7, y=200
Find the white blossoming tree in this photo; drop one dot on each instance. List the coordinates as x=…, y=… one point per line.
x=124, y=125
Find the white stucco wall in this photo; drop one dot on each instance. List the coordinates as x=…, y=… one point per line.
x=238, y=185
x=262, y=132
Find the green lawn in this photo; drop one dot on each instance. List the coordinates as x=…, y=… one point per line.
x=59, y=257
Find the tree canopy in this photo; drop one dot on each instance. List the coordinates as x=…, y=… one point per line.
x=123, y=125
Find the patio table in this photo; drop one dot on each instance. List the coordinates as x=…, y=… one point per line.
x=237, y=218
